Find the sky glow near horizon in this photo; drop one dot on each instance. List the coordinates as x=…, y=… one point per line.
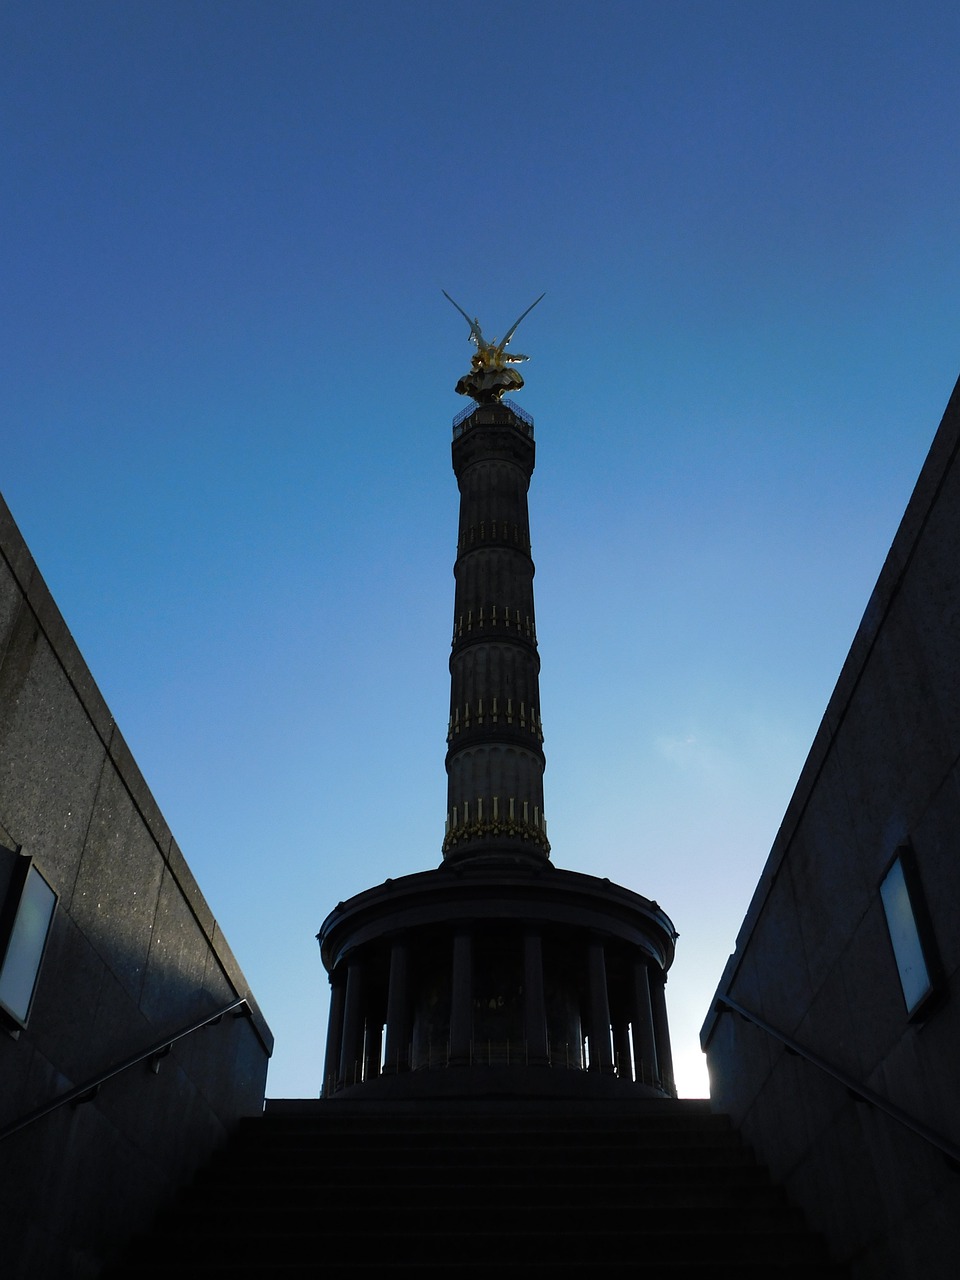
x=228, y=374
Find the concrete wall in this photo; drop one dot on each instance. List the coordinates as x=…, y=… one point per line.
x=813, y=956
x=134, y=954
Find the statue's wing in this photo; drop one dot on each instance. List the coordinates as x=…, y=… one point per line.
x=475, y=333
x=516, y=326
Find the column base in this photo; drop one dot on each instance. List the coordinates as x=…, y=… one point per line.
x=500, y=1082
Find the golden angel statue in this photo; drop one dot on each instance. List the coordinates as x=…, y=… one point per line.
x=490, y=373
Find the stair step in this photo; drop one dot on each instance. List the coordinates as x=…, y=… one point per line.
x=467, y=1215
x=476, y=1190
x=362, y=1164
x=327, y=1270
x=413, y=1195
x=520, y=1248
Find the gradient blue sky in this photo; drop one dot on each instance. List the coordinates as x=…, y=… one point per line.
x=227, y=386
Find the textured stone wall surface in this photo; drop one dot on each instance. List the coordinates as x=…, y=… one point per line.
x=814, y=958
x=134, y=954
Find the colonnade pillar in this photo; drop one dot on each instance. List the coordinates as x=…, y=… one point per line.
x=644, y=1037
x=331, y=1058
x=662, y=1032
x=351, y=1045
x=396, y=1056
x=601, y=1055
x=461, y=1000
x=372, y=1046
x=622, y=1056
x=534, y=1004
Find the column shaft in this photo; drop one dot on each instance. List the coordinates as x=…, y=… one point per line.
x=623, y=1062
x=351, y=1048
x=534, y=1005
x=461, y=1000
x=397, y=1052
x=331, y=1061
x=641, y=1014
x=601, y=1054
x=372, y=1046
x=662, y=1032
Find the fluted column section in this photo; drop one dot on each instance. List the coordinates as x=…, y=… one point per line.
x=331, y=1062
x=662, y=1031
x=397, y=1048
x=351, y=1043
x=601, y=1055
x=495, y=758
x=461, y=999
x=644, y=1035
x=534, y=1004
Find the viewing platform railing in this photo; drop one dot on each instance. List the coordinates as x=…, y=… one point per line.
x=460, y=422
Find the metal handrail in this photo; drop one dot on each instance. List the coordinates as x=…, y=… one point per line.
x=521, y=413
x=463, y=415
x=471, y=409
x=946, y=1148
x=87, y=1091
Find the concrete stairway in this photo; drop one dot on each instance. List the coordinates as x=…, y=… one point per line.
x=568, y=1188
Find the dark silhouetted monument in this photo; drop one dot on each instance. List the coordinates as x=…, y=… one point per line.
x=496, y=972
x=498, y=1089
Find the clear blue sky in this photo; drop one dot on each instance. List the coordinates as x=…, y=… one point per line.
x=227, y=386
